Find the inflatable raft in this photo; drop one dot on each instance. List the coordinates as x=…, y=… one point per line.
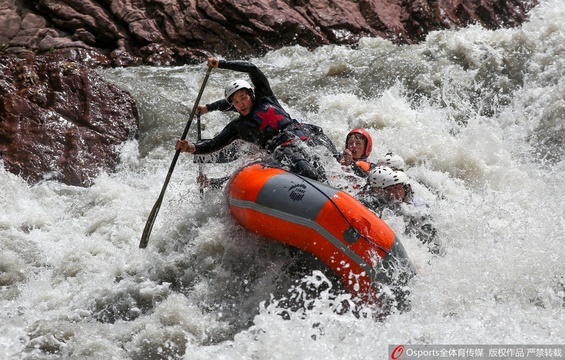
x=322, y=220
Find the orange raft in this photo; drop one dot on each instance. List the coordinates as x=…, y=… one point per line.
x=327, y=222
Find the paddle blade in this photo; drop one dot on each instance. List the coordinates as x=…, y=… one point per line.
x=149, y=223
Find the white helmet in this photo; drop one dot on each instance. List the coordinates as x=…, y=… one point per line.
x=383, y=177
x=235, y=86
x=393, y=161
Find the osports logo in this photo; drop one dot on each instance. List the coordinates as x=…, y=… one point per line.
x=397, y=352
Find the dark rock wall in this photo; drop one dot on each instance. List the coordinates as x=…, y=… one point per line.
x=169, y=32
x=59, y=119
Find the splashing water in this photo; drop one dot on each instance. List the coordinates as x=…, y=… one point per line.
x=476, y=114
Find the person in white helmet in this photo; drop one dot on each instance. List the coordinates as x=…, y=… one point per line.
x=262, y=121
x=393, y=185
x=389, y=193
x=393, y=161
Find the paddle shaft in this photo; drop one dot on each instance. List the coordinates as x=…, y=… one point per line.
x=157, y=206
x=200, y=165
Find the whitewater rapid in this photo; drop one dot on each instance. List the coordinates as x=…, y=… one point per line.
x=476, y=114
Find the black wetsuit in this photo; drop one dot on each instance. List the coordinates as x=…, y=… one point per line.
x=269, y=126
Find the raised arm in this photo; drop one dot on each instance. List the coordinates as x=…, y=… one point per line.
x=259, y=80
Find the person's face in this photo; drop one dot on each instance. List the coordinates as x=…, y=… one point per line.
x=393, y=192
x=242, y=101
x=356, y=144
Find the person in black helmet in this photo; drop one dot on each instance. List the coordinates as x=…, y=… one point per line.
x=262, y=121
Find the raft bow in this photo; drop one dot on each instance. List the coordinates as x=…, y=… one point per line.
x=322, y=220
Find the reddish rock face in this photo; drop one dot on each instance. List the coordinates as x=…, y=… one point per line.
x=59, y=119
x=173, y=32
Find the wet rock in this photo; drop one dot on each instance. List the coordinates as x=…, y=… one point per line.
x=160, y=32
x=59, y=119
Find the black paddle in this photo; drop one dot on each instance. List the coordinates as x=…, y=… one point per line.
x=157, y=206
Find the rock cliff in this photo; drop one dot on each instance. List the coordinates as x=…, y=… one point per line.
x=168, y=32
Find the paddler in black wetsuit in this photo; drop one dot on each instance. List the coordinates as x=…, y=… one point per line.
x=262, y=121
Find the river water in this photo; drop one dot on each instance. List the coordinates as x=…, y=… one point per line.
x=476, y=114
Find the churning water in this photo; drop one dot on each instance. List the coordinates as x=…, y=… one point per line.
x=476, y=114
